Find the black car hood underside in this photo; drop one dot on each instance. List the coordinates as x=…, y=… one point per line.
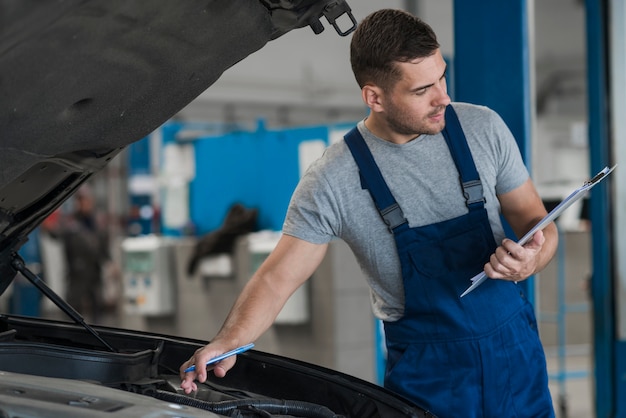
x=82, y=79
x=98, y=75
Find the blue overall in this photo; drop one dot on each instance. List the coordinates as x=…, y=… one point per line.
x=476, y=356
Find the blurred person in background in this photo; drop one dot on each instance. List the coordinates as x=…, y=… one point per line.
x=86, y=256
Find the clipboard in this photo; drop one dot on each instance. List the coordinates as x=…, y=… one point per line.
x=554, y=213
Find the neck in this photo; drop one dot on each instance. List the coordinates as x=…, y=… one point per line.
x=383, y=131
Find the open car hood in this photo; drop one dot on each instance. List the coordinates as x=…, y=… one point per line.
x=79, y=81
x=82, y=79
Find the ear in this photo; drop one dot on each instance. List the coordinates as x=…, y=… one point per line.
x=373, y=97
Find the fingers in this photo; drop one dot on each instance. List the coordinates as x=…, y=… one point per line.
x=219, y=370
x=504, y=259
x=499, y=265
x=512, y=261
x=188, y=385
x=538, y=239
x=200, y=373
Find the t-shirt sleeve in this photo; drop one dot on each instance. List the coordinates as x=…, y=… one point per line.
x=511, y=172
x=312, y=213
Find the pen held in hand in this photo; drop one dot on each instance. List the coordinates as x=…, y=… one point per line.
x=221, y=357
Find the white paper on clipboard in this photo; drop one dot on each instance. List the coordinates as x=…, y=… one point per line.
x=554, y=213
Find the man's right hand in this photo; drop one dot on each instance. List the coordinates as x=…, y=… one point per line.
x=199, y=359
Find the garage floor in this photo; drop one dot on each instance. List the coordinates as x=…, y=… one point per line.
x=572, y=397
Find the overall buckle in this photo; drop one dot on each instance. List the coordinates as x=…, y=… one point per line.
x=393, y=216
x=473, y=192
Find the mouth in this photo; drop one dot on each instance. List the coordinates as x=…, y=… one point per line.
x=438, y=116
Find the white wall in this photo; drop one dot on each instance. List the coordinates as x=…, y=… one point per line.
x=303, y=78
x=560, y=149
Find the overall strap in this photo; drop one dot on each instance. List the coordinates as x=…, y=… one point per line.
x=457, y=143
x=373, y=181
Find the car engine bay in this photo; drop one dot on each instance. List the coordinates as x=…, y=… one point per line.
x=55, y=365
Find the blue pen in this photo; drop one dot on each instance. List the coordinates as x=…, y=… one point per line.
x=221, y=357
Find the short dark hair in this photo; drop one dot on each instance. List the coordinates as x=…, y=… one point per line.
x=385, y=37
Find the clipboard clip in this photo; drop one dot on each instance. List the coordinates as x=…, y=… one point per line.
x=602, y=174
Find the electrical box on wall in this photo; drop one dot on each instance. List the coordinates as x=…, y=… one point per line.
x=148, y=276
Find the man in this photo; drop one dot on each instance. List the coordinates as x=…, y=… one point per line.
x=86, y=253
x=422, y=217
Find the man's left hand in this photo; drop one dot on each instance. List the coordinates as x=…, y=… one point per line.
x=514, y=262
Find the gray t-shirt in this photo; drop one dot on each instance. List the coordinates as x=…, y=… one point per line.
x=329, y=201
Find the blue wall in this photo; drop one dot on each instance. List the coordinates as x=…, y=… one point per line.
x=257, y=169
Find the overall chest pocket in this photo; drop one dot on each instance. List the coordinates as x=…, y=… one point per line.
x=459, y=255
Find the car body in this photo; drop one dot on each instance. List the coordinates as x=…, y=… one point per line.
x=79, y=82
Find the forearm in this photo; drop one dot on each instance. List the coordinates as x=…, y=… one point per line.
x=291, y=263
x=253, y=313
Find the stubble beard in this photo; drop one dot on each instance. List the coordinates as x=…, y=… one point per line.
x=404, y=123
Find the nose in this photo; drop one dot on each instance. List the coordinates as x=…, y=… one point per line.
x=442, y=98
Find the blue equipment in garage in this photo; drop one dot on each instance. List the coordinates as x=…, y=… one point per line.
x=259, y=169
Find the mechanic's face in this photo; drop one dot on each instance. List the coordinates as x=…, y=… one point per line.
x=415, y=105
